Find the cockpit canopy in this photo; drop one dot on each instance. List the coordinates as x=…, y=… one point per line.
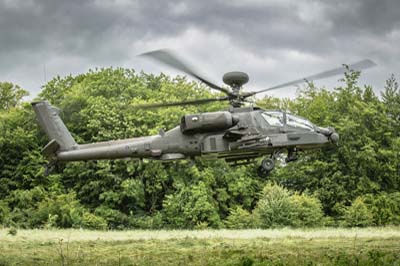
x=273, y=118
x=279, y=118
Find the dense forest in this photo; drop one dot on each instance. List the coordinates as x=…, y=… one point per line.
x=356, y=183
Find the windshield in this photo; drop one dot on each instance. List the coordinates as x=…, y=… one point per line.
x=273, y=118
x=295, y=121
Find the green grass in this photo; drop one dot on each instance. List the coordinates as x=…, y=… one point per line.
x=370, y=246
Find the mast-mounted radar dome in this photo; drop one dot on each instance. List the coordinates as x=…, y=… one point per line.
x=235, y=79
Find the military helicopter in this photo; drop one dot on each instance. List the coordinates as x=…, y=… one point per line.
x=239, y=134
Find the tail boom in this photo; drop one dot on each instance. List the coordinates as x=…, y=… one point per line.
x=171, y=145
x=62, y=146
x=128, y=148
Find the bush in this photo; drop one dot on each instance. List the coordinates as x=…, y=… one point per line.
x=63, y=211
x=51, y=221
x=91, y=221
x=385, y=208
x=278, y=208
x=114, y=218
x=20, y=218
x=275, y=207
x=358, y=214
x=4, y=212
x=239, y=219
x=308, y=211
x=154, y=221
x=191, y=206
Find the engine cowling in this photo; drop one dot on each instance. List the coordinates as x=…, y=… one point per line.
x=206, y=122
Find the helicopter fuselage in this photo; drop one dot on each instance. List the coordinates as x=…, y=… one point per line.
x=251, y=133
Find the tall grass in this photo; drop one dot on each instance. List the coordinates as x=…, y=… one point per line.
x=92, y=235
x=327, y=246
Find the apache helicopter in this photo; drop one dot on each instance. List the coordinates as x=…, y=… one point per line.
x=239, y=134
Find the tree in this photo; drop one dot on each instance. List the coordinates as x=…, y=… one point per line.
x=97, y=106
x=10, y=95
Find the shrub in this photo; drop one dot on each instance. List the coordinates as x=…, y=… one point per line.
x=329, y=221
x=20, y=218
x=191, y=206
x=358, y=214
x=278, y=208
x=308, y=211
x=59, y=211
x=201, y=226
x=154, y=221
x=4, y=212
x=51, y=221
x=91, y=221
x=385, y=208
x=275, y=207
x=239, y=218
x=114, y=218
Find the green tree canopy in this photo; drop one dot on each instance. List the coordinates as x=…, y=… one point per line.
x=10, y=95
x=98, y=106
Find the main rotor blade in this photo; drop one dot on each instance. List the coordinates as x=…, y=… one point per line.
x=364, y=64
x=195, y=102
x=168, y=58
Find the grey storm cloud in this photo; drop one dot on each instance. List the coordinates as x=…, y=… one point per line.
x=274, y=41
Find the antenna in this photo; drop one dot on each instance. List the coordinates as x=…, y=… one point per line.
x=44, y=73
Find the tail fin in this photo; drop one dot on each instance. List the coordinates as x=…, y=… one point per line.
x=53, y=126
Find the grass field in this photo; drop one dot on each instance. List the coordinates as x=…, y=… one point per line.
x=369, y=246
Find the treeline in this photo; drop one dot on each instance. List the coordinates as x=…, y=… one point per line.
x=356, y=183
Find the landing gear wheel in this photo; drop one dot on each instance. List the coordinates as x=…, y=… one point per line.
x=268, y=164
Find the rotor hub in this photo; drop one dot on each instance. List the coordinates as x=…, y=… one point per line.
x=235, y=79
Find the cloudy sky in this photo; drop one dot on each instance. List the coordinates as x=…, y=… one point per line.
x=274, y=41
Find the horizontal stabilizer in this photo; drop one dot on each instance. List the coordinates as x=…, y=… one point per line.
x=51, y=148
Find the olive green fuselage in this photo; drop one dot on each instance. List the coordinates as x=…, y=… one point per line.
x=250, y=137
